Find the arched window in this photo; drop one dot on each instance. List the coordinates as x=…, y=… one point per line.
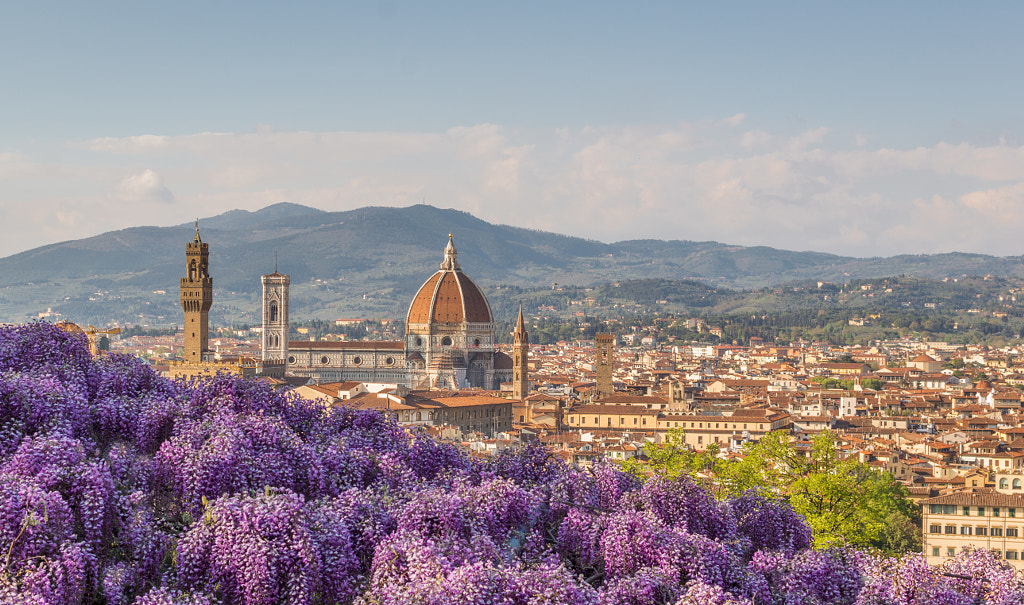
x=1016, y=484
x=192, y=271
x=273, y=311
x=446, y=342
x=418, y=417
x=1004, y=483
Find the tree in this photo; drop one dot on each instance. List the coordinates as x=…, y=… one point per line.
x=673, y=458
x=845, y=501
x=848, y=502
x=767, y=466
x=871, y=383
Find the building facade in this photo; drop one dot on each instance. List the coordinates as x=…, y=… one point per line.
x=449, y=342
x=973, y=518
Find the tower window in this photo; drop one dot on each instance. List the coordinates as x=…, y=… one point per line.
x=273, y=311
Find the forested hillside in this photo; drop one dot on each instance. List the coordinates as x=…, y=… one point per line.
x=368, y=263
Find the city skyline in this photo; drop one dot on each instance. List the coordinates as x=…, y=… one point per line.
x=869, y=131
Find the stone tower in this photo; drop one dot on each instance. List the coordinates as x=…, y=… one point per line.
x=275, y=316
x=197, y=298
x=603, y=364
x=520, y=355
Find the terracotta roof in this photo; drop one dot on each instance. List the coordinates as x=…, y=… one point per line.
x=449, y=297
x=419, y=311
x=977, y=497
x=470, y=400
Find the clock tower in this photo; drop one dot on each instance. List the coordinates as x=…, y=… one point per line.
x=197, y=298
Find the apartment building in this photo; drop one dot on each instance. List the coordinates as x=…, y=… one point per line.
x=974, y=518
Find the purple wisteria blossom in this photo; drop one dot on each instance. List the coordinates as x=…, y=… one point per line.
x=118, y=487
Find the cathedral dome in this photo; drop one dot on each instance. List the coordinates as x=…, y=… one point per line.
x=449, y=296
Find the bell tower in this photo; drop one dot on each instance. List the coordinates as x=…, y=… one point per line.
x=275, y=316
x=197, y=298
x=604, y=343
x=520, y=355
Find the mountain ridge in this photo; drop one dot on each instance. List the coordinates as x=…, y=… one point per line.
x=382, y=254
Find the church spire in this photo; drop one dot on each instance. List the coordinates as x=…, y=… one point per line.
x=451, y=257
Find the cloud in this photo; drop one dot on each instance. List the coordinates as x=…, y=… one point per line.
x=755, y=139
x=138, y=144
x=146, y=187
x=815, y=188
x=735, y=120
x=1003, y=203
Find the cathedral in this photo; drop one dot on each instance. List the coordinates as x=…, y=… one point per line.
x=449, y=339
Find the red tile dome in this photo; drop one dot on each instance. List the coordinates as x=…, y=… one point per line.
x=449, y=296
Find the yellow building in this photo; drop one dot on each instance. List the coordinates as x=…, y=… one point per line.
x=974, y=518
x=612, y=417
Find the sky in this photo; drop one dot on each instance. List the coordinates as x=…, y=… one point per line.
x=856, y=128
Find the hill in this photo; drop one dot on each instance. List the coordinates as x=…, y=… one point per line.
x=369, y=261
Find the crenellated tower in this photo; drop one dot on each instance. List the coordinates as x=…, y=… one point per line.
x=520, y=360
x=197, y=298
